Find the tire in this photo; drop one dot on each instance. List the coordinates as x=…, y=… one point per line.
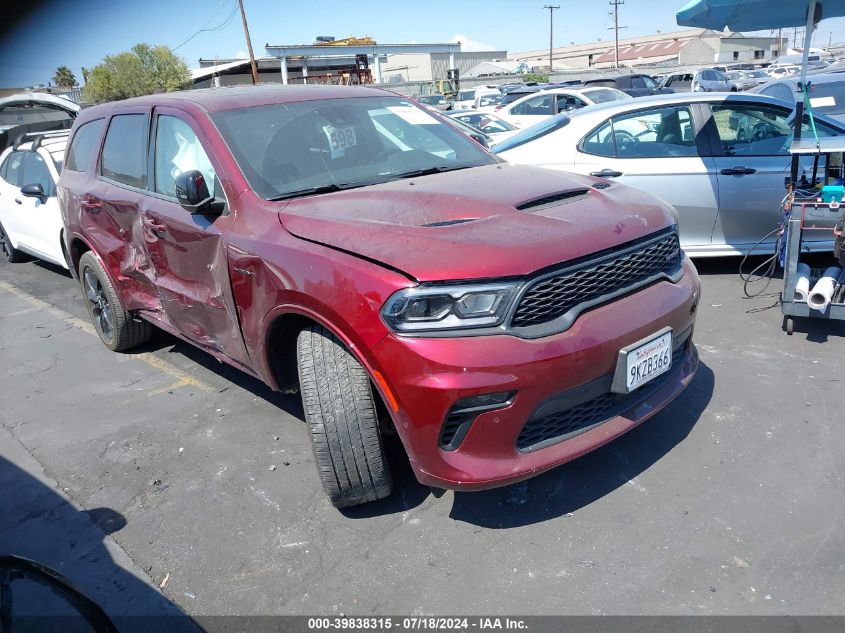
x=13, y=255
x=115, y=326
x=341, y=415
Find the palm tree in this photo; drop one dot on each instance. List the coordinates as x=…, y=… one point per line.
x=64, y=77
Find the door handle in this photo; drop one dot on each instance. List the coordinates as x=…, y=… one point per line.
x=157, y=229
x=90, y=204
x=18, y=200
x=738, y=171
x=606, y=173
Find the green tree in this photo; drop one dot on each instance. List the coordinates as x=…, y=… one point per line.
x=540, y=79
x=64, y=77
x=141, y=71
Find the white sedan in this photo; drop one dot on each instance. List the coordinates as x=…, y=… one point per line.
x=719, y=159
x=539, y=106
x=496, y=128
x=30, y=219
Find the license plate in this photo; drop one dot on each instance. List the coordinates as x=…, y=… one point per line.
x=646, y=361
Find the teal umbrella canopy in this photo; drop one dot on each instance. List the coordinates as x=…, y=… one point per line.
x=754, y=15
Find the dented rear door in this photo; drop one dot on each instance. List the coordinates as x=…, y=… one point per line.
x=188, y=253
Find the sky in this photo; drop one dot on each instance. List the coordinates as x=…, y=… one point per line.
x=77, y=33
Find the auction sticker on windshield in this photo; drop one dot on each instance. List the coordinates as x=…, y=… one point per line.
x=643, y=362
x=340, y=138
x=413, y=115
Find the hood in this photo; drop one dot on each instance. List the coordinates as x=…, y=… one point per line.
x=486, y=222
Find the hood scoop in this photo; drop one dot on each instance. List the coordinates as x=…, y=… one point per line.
x=552, y=200
x=433, y=225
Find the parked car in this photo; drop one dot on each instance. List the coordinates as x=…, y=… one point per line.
x=827, y=93
x=30, y=220
x=353, y=246
x=538, y=106
x=779, y=72
x=710, y=80
x=687, y=149
x=488, y=103
x=636, y=85
x=494, y=127
x=513, y=93
x=738, y=81
x=27, y=112
x=435, y=101
x=678, y=82
x=465, y=100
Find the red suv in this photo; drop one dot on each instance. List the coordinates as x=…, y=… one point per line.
x=344, y=241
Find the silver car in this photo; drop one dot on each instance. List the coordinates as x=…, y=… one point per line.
x=719, y=159
x=710, y=80
x=827, y=92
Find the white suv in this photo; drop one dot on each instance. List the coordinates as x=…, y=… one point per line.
x=30, y=220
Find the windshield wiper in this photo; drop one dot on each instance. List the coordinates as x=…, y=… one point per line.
x=428, y=171
x=308, y=191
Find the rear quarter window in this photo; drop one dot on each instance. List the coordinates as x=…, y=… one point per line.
x=124, y=150
x=84, y=144
x=12, y=168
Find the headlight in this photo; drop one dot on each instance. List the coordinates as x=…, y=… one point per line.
x=431, y=308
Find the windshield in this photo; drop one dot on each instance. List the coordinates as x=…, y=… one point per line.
x=756, y=74
x=466, y=95
x=532, y=133
x=828, y=98
x=603, y=95
x=290, y=149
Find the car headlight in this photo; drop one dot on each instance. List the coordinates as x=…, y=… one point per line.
x=434, y=308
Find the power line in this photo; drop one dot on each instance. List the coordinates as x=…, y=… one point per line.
x=551, y=9
x=224, y=24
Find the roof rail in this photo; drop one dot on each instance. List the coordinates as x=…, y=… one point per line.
x=20, y=139
x=37, y=138
x=37, y=142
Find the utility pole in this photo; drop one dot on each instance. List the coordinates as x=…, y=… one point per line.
x=249, y=44
x=780, y=42
x=615, y=13
x=551, y=9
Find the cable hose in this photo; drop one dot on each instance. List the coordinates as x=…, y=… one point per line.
x=769, y=266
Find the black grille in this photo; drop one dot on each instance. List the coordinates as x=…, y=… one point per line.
x=582, y=417
x=553, y=297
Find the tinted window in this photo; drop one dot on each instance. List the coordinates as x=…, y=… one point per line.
x=84, y=145
x=178, y=150
x=35, y=171
x=603, y=95
x=124, y=150
x=658, y=133
x=600, y=142
x=540, y=104
x=757, y=130
x=12, y=168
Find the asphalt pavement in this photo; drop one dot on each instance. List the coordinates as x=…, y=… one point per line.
x=194, y=488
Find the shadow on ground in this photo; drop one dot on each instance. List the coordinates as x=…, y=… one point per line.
x=40, y=525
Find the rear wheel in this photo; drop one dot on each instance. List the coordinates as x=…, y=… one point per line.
x=12, y=254
x=116, y=327
x=341, y=415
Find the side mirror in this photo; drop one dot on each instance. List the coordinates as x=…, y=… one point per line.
x=34, y=190
x=192, y=192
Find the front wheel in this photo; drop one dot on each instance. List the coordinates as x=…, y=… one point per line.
x=116, y=327
x=13, y=255
x=341, y=415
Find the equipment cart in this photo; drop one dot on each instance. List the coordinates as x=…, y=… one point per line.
x=814, y=210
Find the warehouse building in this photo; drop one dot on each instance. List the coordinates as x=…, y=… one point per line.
x=322, y=63
x=687, y=47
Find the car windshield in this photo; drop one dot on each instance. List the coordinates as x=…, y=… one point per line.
x=489, y=100
x=290, y=149
x=532, y=133
x=466, y=95
x=756, y=74
x=603, y=95
x=828, y=97
x=735, y=75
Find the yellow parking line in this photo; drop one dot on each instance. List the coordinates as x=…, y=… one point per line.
x=183, y=379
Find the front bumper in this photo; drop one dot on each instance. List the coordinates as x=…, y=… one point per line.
x=426, y=376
